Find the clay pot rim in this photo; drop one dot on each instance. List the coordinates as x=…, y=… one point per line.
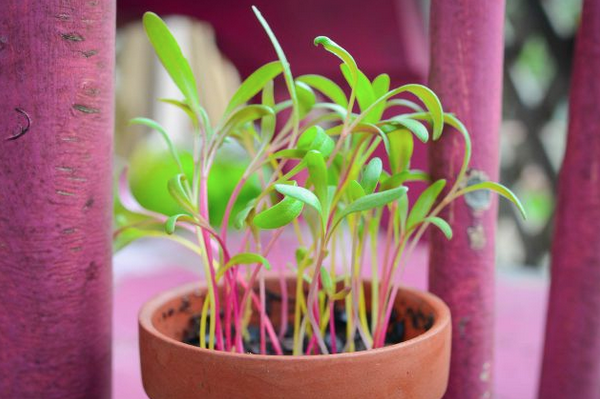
x=441, y=320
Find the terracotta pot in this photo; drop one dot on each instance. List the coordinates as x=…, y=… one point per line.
x=414, y=369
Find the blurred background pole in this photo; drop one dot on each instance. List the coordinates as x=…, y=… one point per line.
x=56, y=122
x=571, y=366
x=466, y=72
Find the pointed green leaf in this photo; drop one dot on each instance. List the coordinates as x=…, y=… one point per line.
x=403, y=211
x=326, y=281
x=414, y=126
x=184, y=107
x=340, y=52
x=381, y=85
x=401, y=149
x=442, y=225
x=287, y=72
x=268, y=122
x=253, y=84
x=244, y=258
x=171, y=222
x=317, y=170
x=158, y=127
x=371, y=175
x=306, y=98
x=175, y=187
x=279, y=214
x=362, y=89
x=301, y=194
x=243, y=215
x=372, y=201
x=327, y=87
x=171, y=57
x=497, y=188
x=355, y=190
x=315, y=138
x=424, y=203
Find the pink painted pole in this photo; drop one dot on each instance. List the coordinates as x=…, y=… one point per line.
x=466, y=72
x=571, y=366
x=56, y=121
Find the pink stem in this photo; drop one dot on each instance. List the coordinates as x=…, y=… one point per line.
x=284, y=304
x=230, y=204
x=263, y=314
x=332, y=327
x=209, y=255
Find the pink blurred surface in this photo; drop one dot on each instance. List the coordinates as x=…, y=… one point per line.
x=520, y=310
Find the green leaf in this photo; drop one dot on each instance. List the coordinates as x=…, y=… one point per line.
x=424, y=203
x=340, y=52
x=289, y=154
x=372, y=201
x=401, y=149
x=362, y=89
x=279, y=214
x=306, y=98
x=414, y=126
x=327, y=87
x=171, y=222
x=287, y=72
x=326, y=281
x=497, y=188
x=253, y=84
x=405, y=176
x=158, y=127
x=355, y=190
x=184, y=107
x=381, y=84
x=371, y=175
x=301, y=194
x=244, y=258
x=247, y=114
x=428, y=98
x=441, y=224
x=267, y=126
x=453, y=121
x=243, y=215
x=317, y=170
x=170, y=55
x=403, y=211
x=315, y=138
x=175, y=187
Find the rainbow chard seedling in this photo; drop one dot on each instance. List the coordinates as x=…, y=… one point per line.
x=318, y=165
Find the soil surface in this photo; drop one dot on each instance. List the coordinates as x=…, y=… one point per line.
x=395, y=334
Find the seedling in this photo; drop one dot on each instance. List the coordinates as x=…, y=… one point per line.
x=316, y=164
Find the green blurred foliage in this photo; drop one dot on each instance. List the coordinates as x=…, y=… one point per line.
x=150, y=171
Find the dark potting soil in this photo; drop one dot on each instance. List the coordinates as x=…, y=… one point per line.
x=395, y=332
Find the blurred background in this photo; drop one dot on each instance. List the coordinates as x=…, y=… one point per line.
x=225, y=43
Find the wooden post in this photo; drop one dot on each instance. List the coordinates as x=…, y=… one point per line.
x=56, y=121
x=466, y=72
x=571, y=366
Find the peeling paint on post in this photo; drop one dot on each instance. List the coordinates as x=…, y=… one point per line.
x=571, y=366
x=466, y=72
x=55, y=198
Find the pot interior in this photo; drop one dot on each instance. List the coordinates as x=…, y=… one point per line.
x=175, y=318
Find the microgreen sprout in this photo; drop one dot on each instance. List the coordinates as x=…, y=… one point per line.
x=319, y=166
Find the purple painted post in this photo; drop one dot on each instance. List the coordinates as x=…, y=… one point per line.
x=56, y=123
x=571, y=367
x=466, y=72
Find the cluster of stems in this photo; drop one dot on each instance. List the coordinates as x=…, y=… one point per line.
x=313, y=155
